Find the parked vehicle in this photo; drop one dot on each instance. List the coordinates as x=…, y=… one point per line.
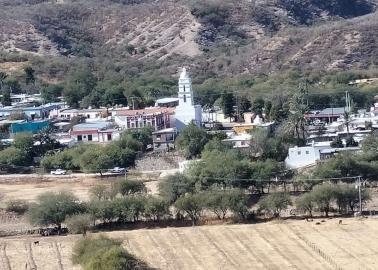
x=118, y=170
x=58, y=172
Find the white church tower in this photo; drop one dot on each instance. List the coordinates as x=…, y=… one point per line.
x=186, y=111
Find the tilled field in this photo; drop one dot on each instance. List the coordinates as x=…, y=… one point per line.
x=275, y=245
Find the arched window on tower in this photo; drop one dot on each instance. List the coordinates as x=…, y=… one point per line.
x=184, y=98
x=184, y=88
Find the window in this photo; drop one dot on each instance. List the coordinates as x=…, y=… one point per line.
x=184, y=88
x=242, y=142
x=299, y=153
x=158, y=137
x=79, y=138
x=307, y=152
x=184, y=98
x=89, y=137
x=109, y=137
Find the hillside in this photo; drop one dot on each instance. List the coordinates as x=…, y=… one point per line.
x=226, y=36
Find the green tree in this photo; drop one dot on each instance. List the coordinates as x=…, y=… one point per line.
x=323, y=196
x=80, y=83
x=306, y=203
x=218, y=201
x=53, y=208
x=173, y=186
x=29, y=75
x=192, y=140
x=128, y=187
x=275, y=203
x=6, y=98
x=3, y=76
x=79, y=223
x=51, y=93
x=13, y=156
x=192, y=205
x=227, y=103
x=238, y=203
x=99, y=192
x=94, y=159
x=156, y=208
x=258, y=106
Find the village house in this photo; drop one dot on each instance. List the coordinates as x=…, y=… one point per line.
x=37, y=112
x=327, y=115
x=93, y=114
x=164, y=139
x=155, y=117
x=100, y=132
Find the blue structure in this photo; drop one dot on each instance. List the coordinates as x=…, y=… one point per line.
x=32, y=127
x=30, y=112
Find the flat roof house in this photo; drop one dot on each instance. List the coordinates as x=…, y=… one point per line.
x=100, y=132
x=157, y=118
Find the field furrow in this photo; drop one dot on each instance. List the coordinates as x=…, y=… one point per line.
x=272, y=246
x=251, y=253
x=340, y=243
x=267, y=237
x=314, y=246
x=247, y=258
x=4, y=260
x=312, y=259
x=228, y=261
x=261, y=251
x=58, y=256
x=191, y=253
x=30, y=258
x=172, y=250
x=288, y=248
x=165, y=261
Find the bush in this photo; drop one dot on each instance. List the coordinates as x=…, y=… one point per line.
x=128, y=187
x=102, y=253
x=17, y=206
x=306, y=203
x=78, y=223
x=156, y=208
x=53, y=208
x=173, y=186
x=275, y=203
x=192, y=205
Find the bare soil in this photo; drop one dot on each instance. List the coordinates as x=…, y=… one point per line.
x=274, y=245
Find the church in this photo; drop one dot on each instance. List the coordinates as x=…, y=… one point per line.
x=186, y=111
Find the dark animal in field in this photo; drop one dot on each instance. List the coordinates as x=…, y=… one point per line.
x=340, y=222
x=36, y=243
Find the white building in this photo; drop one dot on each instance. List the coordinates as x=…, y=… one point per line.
x=101, y=132
x=306, y=156
x=239, y=140
x=186, y=111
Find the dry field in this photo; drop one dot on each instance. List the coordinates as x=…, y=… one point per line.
x=275, y=245
x=28, y=187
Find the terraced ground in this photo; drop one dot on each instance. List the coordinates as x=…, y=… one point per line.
x=275, y=245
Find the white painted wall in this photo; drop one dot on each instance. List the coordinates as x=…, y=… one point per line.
x=302, y=156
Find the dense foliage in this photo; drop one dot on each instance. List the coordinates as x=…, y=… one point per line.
x=102, y=253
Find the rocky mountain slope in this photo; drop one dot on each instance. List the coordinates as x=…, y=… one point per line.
x=227, y=37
